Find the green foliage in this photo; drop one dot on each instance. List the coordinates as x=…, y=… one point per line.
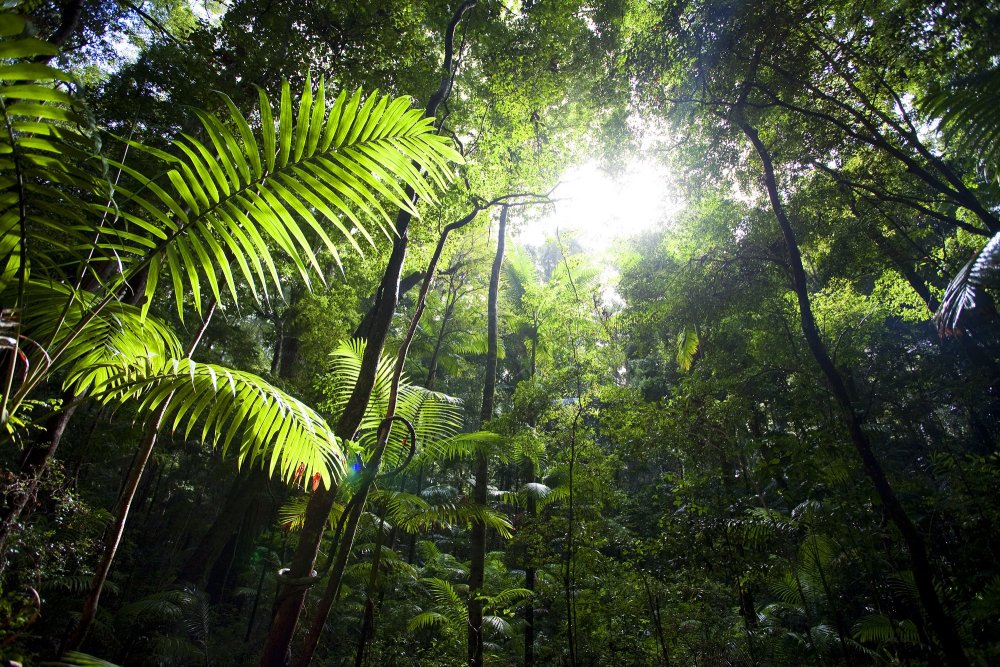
x=687, y=348
x=227, y=196
x=436, y=417
x=271, y=425
x=968, y=112
x=50, y=160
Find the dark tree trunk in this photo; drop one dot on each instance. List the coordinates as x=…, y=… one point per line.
x=940, y=620
x=291, y=597
x=480, y=493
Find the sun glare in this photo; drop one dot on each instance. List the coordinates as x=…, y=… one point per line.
x=601, y=209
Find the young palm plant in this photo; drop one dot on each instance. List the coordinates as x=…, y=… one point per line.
x=72, y=247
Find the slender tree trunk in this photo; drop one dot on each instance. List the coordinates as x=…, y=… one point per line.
x=256, y=600
x=480, y=493
x=529, y=580
x=654, y=610
x=568, y=584
x=449, y=309
x=411, y=548
x=128, y=495
x=343, y=549
x=940, y=620
x=368, y=620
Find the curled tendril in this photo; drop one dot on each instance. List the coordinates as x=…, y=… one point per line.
x=385, y=423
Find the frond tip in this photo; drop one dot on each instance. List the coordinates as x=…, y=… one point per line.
x=960, y=295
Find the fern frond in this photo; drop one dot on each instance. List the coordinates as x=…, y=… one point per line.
x=224, y=201
x=50, y=165
x=272, y=426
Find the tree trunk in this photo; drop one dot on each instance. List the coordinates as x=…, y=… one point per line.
x=480, y=493
x=343, y=549
x=940, y=620
x=277, y=646
x=529, y=582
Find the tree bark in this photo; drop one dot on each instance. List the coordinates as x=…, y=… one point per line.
x=480, y=493
x=940, y=620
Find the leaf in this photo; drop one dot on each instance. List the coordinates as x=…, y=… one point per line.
x=290, y=189
x=687, y=348
x=274, y=428
x=77, y=659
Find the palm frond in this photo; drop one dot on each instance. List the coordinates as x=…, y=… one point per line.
x=117, y=336
x=292, y=514
x=498, y=625
x=222, y=203
x=50, y=160
x=434, y=416
x=444, y=593
x=77, y=659
x=687, y=348
x=272, y=426
x=427, y=619
x=449, y=514
x=880, y=629
x=510, y=598
x=345, y=367
x=969, y=114
x=529, y=491
x=76, y=584
x=557, y=494
x=960, y=295
x=461, y=446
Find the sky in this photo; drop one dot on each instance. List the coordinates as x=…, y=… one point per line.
x=602, y=209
